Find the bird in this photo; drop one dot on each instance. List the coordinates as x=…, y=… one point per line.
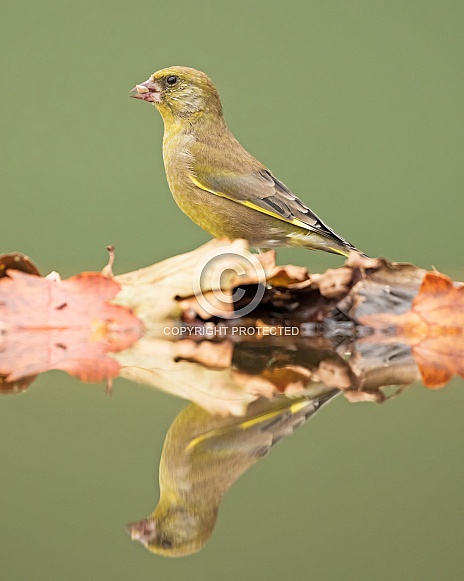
x=203, y=455
x=215, y=181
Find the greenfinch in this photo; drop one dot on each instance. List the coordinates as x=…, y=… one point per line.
x=203, y=455
x=215, y=181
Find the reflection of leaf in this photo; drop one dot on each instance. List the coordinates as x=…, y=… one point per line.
x=288, y=379
x=162, y=364
x=68, y=325
x=205, y=374
x=439, y=358
x=15, y=386
x=439, y=302
x=433, y=326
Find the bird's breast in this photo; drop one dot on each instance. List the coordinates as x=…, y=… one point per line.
x=177, y=157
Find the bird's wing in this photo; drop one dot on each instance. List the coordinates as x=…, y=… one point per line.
x=262, y=191
x=256, y=434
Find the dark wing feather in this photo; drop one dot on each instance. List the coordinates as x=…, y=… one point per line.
x=258, y=433
x=265, y=191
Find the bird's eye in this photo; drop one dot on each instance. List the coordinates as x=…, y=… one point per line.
x=172, y=80
x=166, y=543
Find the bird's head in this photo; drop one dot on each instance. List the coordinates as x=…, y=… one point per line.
x=174, y=531
x=180, y=92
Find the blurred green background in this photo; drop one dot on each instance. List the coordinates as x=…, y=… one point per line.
x=358, y=107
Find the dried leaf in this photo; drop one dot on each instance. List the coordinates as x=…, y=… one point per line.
x=164, y=290
x=218, y=303
x=68, y=325
x=16, y=261
x=287, y=276
x=433, y=326
x=172, y=285
x=333, y=283
x=440, y=302
x=357, y=260
x=289, y=379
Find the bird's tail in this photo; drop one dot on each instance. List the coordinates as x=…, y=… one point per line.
x=323, y=238
x=345, y=250
x=334, y=247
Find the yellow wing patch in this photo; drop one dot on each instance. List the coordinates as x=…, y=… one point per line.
x=249, y=204
x=293, y=408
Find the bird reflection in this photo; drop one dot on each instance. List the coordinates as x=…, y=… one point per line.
x=204, y=452
x=203, y=455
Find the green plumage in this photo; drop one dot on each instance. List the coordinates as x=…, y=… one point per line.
x=216, y=182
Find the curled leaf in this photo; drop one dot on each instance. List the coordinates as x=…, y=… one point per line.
x=16, y=261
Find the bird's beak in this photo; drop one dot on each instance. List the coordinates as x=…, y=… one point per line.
x=148, y=91
x=142, y=531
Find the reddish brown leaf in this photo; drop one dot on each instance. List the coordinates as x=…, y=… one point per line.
x=439, y=358
x=434, y=327
x=68, y=325
x=440, y=302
